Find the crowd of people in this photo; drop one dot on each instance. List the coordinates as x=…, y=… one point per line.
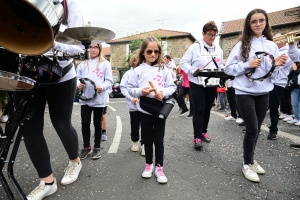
x=262, y=82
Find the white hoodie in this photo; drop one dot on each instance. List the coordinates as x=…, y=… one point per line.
x=236, y=67
x=195, y=57
x=161, y=78
x=101, y=75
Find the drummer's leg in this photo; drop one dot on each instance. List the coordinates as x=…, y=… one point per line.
x=60, y=101
x=34, y=140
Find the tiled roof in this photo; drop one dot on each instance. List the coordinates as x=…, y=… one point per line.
x=275, y=19
x=160, y=32
x=106, y=51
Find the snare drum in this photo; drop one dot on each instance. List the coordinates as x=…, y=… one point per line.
x=13, y=82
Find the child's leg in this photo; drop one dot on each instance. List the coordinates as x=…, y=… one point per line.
x=135, y=125
x=98, y=112
x=159, y=134
x=147, y=130
x=104, y=120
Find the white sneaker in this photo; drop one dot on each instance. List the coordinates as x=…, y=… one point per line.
x=71, y=173
x=4, y=118
x=257, y=168
x=147, y=173
x=239, y=120
x=229, y=118
x=292, y=121
x=298, y=123
x=160, y=175
x=282, y=116
x=288, y=118
x=42, y=191
x=249, y=173
x=135, y=146
x=143, y=150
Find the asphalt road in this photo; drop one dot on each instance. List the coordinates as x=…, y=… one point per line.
x=213, y=173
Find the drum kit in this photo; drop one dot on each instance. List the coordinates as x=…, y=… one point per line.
x=28, y=28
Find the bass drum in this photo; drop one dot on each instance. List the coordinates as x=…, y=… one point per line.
x=28, y=27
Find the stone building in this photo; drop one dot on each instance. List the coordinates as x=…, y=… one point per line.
x=280, y=22
x=175, y=43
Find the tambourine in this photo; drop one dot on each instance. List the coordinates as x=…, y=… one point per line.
x=79, y=92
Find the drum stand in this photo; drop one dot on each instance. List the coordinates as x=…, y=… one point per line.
x=13, y=127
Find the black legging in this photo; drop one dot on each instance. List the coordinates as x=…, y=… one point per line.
x=253, y=109
x=60, y=98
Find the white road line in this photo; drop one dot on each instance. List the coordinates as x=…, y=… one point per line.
x=111, y=108
x=292, y=137
x=116, y=142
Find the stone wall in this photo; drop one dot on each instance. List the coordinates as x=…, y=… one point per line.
x=118, y=55
x=227, y=43
x=176, y=47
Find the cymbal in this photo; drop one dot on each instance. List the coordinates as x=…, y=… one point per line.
x=89, y=34
x=66, y=40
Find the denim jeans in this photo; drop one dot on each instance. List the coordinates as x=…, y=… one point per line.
x=253, y=109
x=295, y=102
x=203, y=99
x=60, y=98
x=222, y=100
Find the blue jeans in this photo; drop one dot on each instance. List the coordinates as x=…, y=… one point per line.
x=222, y=100
x=295, y=102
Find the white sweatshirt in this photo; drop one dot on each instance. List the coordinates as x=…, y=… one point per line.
x=196, y=57
x=161, y=78
x=101, y=75
x=236, y=67
x=124, y=90
x=74, y=20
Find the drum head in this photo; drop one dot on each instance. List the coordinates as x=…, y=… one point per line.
x=23, y=28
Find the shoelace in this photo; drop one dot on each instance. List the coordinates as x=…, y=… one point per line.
x=197, y=140
x=148, y=167
x=70, y=170
x=160, y=170
x=37, y=190
x=205, y=135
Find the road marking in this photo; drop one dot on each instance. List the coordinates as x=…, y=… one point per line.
x=118, y=102
x=116, y=142
x=292, y=137
x=111, y=108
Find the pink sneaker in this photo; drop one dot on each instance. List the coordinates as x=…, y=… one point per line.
x=160, y=175
x=205, y=138
x=198, y=143
x=147, y=173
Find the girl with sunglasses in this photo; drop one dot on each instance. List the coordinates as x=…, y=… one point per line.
x=135, y=115
x=199, y=56
x=252, y=96
x=98, y=70
x=150, y=68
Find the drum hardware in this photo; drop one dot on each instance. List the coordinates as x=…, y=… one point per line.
x=259, y=55
x=88, y=34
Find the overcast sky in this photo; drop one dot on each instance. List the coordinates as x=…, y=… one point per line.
x=126, y=17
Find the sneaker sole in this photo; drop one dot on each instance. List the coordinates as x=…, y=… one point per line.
x=67, y=183
x=147, y=176
x=50, y=192
x=95, y=157
x=295, y=148
x=272, y=138
x=250, y=179
x=134, y=150
x=161, y=180
x=198, y=147
x=86, y=155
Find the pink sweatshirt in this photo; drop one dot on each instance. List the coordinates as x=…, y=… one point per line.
x=186, y=82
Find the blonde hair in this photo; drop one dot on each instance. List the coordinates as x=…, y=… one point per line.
x=134, y=58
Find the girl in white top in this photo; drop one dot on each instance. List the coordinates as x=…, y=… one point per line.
x=199, y=56
x=135, y=115
x=99, y=71
x=252, y=97
x=150, y=67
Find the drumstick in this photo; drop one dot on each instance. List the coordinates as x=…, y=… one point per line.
x=152, y=86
